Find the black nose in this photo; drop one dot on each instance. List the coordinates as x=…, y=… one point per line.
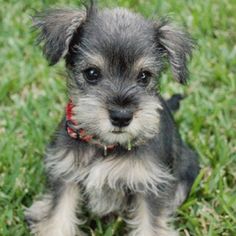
x=121, y=118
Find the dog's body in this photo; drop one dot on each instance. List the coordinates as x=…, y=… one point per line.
x=134, y=162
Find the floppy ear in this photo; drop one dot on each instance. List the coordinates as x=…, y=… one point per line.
x=56, y=30
x=177, y=45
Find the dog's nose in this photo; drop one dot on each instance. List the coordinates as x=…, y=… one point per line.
x=121, y=118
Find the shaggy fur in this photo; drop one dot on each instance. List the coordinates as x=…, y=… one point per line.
x=144, y=183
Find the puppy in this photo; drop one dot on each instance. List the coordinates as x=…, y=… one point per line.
x=117, y=149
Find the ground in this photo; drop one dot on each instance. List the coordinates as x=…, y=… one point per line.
x=33, y=97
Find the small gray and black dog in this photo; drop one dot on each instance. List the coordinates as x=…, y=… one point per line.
x=117, y=149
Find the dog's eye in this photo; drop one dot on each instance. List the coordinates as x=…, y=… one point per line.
x=144, y=78
x=92, y=75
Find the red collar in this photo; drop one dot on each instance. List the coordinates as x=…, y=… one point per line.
x=71, y=125
x=80, y=134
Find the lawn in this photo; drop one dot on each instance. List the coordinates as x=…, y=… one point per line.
x=33, y=97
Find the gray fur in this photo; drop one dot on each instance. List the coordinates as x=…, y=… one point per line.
x=57, y=27
x=144, y=185
x=178, y=46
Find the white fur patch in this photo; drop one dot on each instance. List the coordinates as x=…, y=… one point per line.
x=61, y=221
x=60, y=163
x=141, y=221
x=103, y=202
x=127, y=172
x=144, y=223
x=40, y=209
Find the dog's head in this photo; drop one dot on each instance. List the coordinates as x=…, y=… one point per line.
x=113, y=58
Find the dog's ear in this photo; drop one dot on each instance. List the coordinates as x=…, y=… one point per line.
x=177, y=45
x=57, y=28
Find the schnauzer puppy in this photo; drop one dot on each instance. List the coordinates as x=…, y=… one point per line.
x=117, y=149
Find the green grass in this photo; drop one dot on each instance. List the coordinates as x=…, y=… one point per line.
x=33, y=96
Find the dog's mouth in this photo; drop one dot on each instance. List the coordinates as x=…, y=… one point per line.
x=118, y=132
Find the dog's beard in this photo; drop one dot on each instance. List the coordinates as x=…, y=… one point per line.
x=92, y=115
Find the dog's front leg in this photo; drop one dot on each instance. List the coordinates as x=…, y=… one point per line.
x=55, y=213
x=145, y=219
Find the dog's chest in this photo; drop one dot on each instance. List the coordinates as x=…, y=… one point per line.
x=106, y=181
